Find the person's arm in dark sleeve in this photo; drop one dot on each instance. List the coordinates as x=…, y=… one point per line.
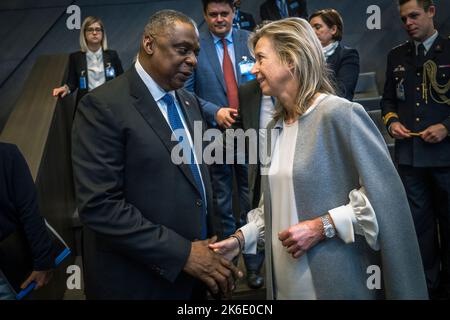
x=347, y=74
x=98, y=157
x=389, y=100
x=25, y=200
x=72, y=79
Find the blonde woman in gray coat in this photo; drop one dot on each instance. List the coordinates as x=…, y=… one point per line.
x=333, y=218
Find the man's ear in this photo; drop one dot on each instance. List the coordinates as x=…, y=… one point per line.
x=431, y=11
x=148, y=43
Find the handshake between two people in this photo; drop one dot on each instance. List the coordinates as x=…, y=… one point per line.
x=214, y=266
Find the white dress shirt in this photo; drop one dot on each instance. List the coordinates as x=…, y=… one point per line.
x=96, y=68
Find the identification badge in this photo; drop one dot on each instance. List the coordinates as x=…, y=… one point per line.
x=245, y=66
x=401, y=91
x=109, y=71
x=83, y=84
x=245, y=24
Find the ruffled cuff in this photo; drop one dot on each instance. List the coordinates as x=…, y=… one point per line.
x=357, y=217
x=250, y=232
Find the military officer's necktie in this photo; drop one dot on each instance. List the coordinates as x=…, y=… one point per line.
x=230, y=79
x=421, y=54
x=176, y=124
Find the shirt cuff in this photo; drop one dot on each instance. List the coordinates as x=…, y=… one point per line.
x=342, y=219
x=250, y=232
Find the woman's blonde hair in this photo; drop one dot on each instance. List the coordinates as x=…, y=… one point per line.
x=295, y=42
x=86, y=23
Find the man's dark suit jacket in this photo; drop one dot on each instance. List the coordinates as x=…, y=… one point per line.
x=19, y=208
x=139, y=209
x=246, y=21
x=269, y=9
x=250, y=97
x=78, y=64
x=345, y=66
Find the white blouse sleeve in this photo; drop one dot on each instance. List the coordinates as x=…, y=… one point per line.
x=253, y=231
x=357, y=217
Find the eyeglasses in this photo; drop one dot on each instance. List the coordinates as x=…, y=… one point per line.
x=92, y=30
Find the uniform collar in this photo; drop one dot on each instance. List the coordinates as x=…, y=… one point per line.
x=428, y=42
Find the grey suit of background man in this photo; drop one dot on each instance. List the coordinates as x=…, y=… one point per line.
x=210, y=83
x=143, y=214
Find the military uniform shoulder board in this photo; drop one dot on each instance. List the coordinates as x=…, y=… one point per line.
x=405, y=46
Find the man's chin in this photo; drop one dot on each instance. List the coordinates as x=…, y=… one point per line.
x=177, y=84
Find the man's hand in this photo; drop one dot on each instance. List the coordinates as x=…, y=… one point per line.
x=225, y=117
x=211, y=268
x=301, y=237
x=61, y=91
x=40, y=277
x=399, y=131
x=435, y=133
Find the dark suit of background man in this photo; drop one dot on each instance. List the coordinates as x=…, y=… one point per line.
x=418, y=117
x=216, y=79
x=19, y=210
x=279, y=9
x=142, y=213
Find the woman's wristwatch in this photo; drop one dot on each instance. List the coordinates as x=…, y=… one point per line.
x=328, y=229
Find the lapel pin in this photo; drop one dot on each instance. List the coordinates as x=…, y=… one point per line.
x=187, y=103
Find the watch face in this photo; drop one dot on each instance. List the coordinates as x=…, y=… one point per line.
x=329, y=232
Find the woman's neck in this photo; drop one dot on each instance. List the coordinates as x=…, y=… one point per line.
x=93, y=47
x=291, y=108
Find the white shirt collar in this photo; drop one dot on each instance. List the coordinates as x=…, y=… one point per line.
x=427, y=43
x=155, y=89
x=96, y=54
x=330, y=49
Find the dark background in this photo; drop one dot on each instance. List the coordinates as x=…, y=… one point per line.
x=31, y=28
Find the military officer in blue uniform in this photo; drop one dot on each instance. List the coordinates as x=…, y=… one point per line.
x=416, y=111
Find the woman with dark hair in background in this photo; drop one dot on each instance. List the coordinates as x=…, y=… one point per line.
x=94, y=64
x=342, y=60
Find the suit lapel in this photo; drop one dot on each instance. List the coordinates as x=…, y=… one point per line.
x=106, y=61
x=435, y=49
x=187, y=105
x=237, y=54
x=149, y=110
x=255, y=107
x=83, y=66
x=214, y=62
x=411, y=55
x=334, y=58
